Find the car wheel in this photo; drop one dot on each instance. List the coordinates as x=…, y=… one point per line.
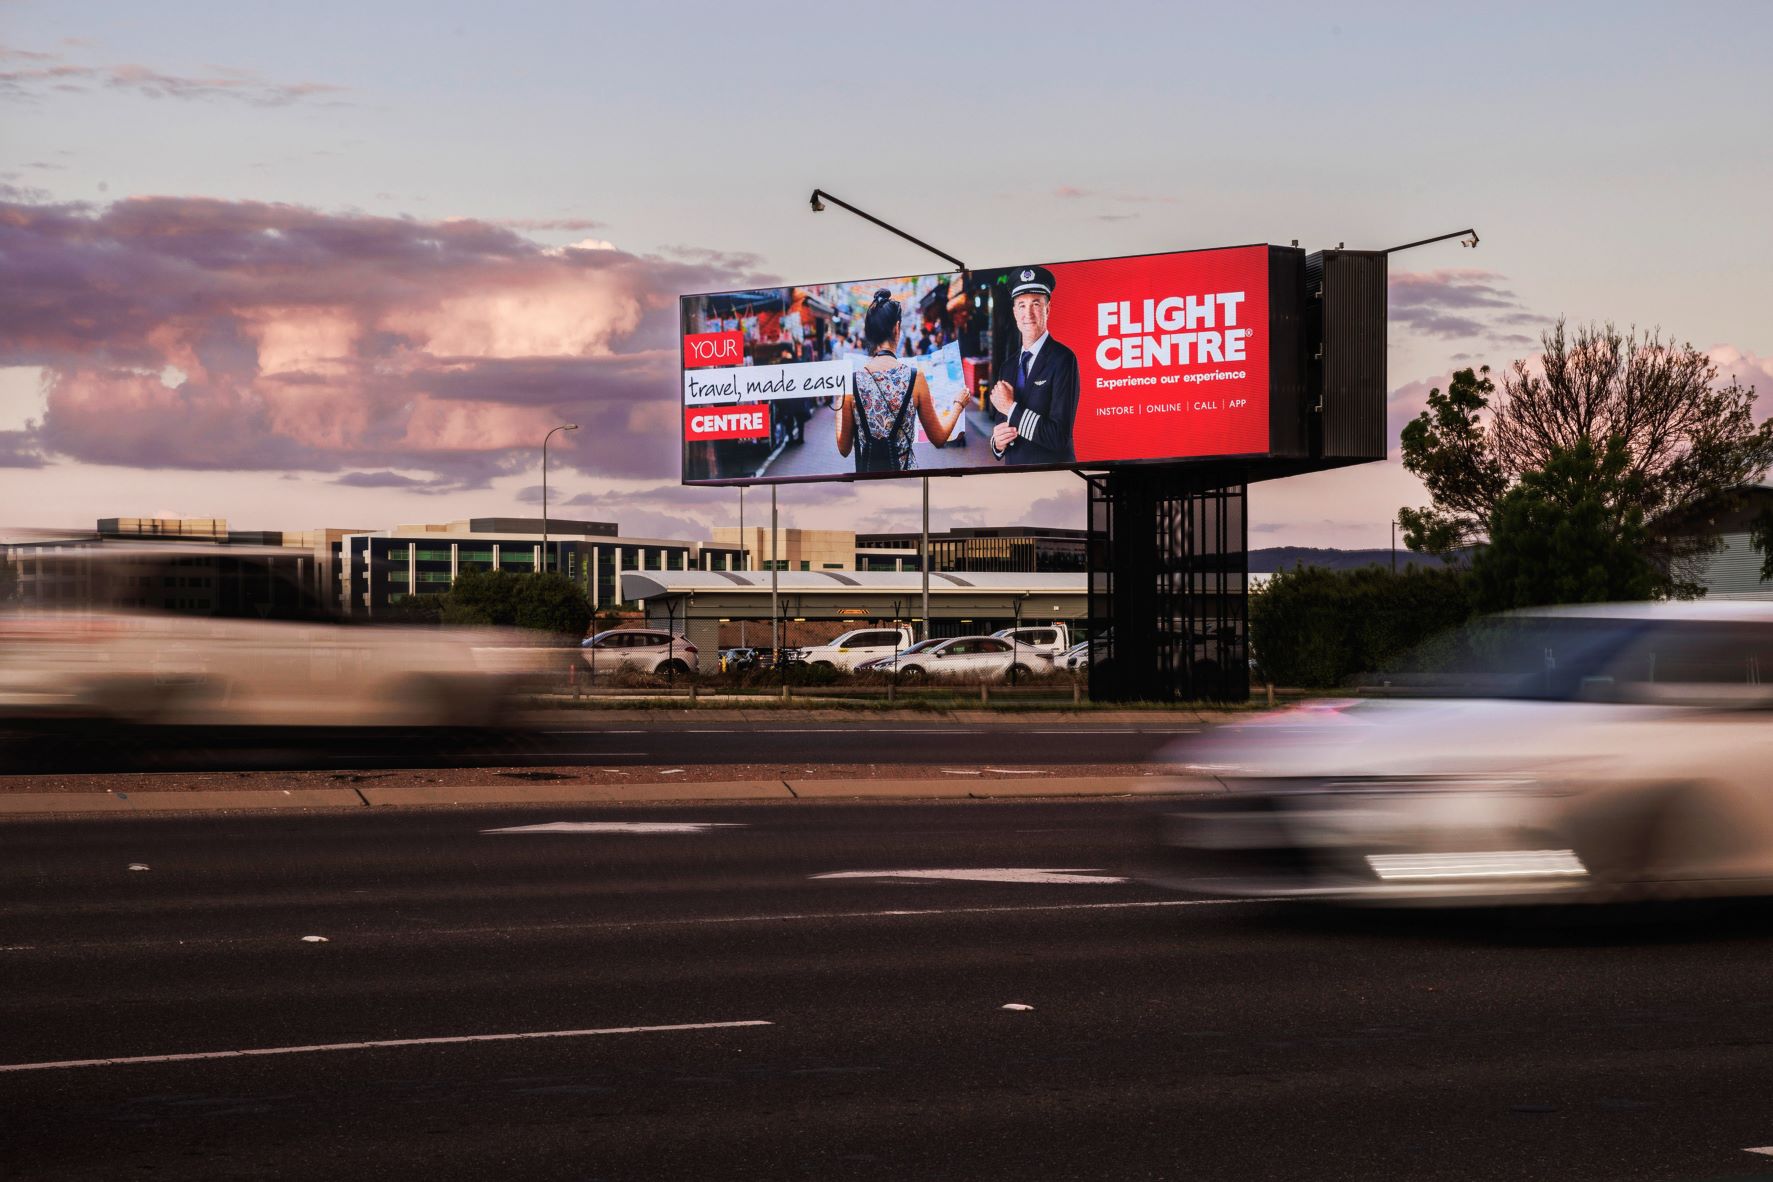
x=673, y=666
x=1019, y=671
x=913, y=673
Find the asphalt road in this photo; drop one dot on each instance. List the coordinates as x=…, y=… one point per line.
x=1168, y=1038
x=569, y=740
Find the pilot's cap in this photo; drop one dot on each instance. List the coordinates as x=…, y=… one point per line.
x=1031, y=279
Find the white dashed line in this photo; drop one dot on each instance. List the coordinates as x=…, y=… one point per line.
x=365, y=1046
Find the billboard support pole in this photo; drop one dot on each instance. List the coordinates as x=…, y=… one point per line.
x=743, y=565
x=775, y=573
x=923, y=558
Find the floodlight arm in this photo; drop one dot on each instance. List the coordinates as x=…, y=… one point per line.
x=820, y=196
x=1469, y=234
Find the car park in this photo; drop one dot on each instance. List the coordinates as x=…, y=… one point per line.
x=1586, y=754
x=650, y=650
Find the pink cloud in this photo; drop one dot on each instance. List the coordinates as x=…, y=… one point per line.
x=1748, y=368
x=197, y=333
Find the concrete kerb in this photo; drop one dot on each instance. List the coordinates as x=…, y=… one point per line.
x=750, y=791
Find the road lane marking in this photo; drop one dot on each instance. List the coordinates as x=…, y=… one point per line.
x=378, y=1044
x=360, y=939
x=620, y=827
x=1765, y=1150
x=1028, y=874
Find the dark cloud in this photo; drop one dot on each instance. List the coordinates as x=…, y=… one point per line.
x=379, y=480
x=1459, y=305
x=198, y=333
x=574, y=224
x=18, y=449
x=28, y=75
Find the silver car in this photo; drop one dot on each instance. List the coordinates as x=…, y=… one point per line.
x=1594, y=753
x=650, y=650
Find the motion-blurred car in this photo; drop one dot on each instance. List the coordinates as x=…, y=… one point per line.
x=650, y=650
x=969, y=657
x=255, y=649
x=1587, y=754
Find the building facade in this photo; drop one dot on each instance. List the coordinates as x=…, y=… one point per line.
x=379, y=571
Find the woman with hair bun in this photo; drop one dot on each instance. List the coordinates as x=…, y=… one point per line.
x=875, y=418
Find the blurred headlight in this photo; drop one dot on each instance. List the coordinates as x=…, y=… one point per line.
x=1478, y=864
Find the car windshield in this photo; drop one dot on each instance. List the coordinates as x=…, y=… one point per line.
x=919, y=647
x=1550, y=658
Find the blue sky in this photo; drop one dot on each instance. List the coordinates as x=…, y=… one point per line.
x=1615, y=159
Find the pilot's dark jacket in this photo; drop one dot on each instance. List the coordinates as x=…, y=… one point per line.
x=1046, y=405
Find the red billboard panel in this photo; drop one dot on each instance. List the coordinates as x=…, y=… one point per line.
x=726, y=422
x=702, y=349
x=1061, y=365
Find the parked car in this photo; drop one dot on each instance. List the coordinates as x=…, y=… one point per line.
x=971, y=657
x=1585, y=754
x=1048, y=640
x=855, y=647
x=652, y=650
x=738, y=660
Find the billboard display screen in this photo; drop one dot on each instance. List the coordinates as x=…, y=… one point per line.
x=1057, y=365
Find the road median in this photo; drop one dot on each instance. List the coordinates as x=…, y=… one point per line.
x=667, y=792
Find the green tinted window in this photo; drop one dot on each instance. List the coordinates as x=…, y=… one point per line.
x=434, y=555
x=510, y=558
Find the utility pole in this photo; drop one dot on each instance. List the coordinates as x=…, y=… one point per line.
x=923, y=559
x=817, y=200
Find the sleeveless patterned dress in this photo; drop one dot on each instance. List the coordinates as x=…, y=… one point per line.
x=879, y=396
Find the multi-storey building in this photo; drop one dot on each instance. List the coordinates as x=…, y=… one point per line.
x=379, y=570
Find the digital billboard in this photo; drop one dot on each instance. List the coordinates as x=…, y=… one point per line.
x=1055, y=365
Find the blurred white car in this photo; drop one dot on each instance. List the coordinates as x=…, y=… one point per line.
x=1580, y=754
x=651, y=650
x=184, y=635
x=970, y=657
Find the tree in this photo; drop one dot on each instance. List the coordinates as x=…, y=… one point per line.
x=1319, y=628
x=1689, y=443
x=547, y=602
x=1572, y=533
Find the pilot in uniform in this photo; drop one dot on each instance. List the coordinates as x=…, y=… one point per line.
x=1034, y=404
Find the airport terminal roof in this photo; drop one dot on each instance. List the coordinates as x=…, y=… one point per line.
x=652, y=583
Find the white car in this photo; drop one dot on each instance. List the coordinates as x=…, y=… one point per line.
x=1048, y=640
x=971, y=657
x=650, y=650
x=856, y=648
x=1582, y=754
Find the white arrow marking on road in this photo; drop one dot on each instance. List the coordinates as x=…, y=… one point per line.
x=619, y=827
x=1765, y=1150
x=1008, y=874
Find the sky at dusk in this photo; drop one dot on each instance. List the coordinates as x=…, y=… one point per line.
x=344, y=264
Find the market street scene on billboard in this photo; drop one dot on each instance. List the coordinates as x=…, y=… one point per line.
x=1056, y=365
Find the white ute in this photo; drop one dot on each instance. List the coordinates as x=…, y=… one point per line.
x=856, y=646
x=1043, y=641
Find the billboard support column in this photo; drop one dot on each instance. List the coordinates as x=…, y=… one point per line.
x=775, y=574
x=923, y=558
x=743, y=551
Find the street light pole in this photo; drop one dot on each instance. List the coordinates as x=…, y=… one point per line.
x=545, y=439
x=817, y=200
